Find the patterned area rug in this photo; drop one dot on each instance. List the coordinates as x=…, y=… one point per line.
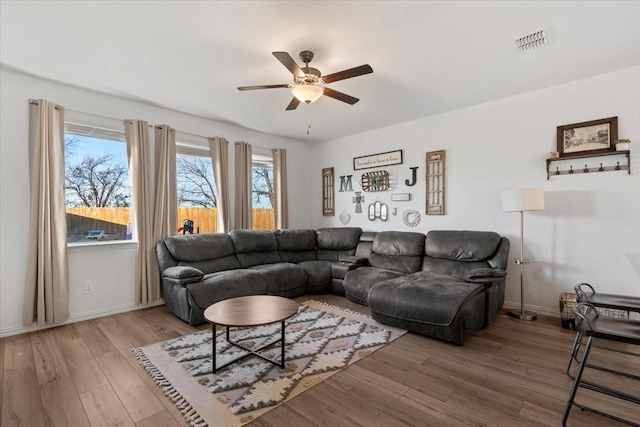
x=320, y=340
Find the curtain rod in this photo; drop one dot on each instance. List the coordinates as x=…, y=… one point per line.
x=192, y=134
x=35, y=102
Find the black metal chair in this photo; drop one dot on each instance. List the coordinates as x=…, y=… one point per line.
x=591, y=325
x=619, y=302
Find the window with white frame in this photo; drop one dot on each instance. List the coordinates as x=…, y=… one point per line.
x=97, y=185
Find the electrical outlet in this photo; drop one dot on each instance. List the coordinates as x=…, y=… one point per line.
x=88, y=288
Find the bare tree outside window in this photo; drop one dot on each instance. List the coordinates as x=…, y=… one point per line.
x=263, y=187
x=97, y=188
x=195, y=182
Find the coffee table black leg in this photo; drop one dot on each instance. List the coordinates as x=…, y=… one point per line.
x=282, y=346
x=213, y=347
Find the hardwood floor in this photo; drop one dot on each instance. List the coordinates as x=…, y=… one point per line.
x=510, y=374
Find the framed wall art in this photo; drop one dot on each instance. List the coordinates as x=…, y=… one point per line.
x=594, y=137
x=377, y=160
x=435, y=182
x=328, y=193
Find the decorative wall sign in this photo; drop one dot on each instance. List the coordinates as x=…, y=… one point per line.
x=328, y=192
x=345, y=217
x=358, y=199
x=594, y=137
x=400, y=197
x=377, y=210
x=345, y=183
x=377, y=160
x=414, y=177
x=435, y=182
x=411, y=218
x=375, y=181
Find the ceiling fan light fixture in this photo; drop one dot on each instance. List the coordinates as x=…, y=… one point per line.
x=307, y=93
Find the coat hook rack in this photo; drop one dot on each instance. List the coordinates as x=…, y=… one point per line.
x=604, y=167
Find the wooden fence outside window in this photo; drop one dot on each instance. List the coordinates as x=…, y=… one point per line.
x=115, y=220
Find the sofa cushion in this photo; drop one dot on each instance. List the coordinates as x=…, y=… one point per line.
x=226, y=284
x=365, y=245
x=338, y=239
x=255, y=247
x=318, y=275
x=282, y=276
x=461, y=245
x=357, y=283
x=437, y=306
x=399, y=243
x=200, y=247
x=334, y=243
x=424, y=297
x=296, y=245
x=399, y=251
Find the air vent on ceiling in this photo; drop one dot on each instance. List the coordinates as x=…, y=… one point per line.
x=533, y=40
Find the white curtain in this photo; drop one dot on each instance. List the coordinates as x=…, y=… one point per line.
x=147, y=278
x=47, y=287
x=243, y=162
x=219, y=148
x=281, y=198
x=164, y=214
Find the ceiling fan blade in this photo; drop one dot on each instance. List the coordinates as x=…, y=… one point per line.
x=262, y=87
x=293, y=104
x=340, y=96
x=289, y=63
x=347, y=74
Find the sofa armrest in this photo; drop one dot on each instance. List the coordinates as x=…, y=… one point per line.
x=341, y=268
x=354, y=260
x=183, y=274
x=485, y=275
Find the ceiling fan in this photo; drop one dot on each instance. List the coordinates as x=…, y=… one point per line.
x=309, y=84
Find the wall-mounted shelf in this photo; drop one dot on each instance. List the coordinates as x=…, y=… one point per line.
x=585, y=169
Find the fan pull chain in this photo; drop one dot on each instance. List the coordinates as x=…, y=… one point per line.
x=309, y=129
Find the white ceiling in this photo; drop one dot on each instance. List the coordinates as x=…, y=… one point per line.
x=428, y=57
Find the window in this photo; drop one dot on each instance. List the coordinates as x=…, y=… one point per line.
x=262, y=190
x=97, y=186
x=197, y=201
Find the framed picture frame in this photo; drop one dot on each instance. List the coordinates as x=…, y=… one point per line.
x=377, y=160
x=593, y=137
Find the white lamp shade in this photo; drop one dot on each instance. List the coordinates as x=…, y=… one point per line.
x=523, y=199
x=307, y=93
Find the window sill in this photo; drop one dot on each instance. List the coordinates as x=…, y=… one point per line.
x=101, y=246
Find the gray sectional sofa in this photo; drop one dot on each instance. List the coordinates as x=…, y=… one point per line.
x=447, y=284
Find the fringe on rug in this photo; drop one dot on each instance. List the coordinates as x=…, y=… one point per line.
x=189, y=413
x=337, y=308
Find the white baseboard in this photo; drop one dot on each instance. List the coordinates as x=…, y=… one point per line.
x=546, y=311
x=15, y=330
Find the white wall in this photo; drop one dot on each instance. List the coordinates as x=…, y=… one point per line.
x=111, y=268
x=590, y=230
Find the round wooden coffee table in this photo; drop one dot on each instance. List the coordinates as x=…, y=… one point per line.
x=249, y=311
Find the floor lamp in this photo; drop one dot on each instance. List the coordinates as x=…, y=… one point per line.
x=522, y=200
